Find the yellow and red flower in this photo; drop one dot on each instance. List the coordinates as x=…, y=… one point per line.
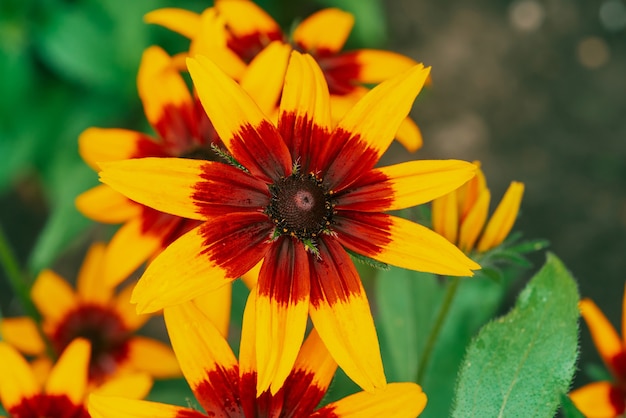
x=460, y=215
x=299, y=196
x=94, y=312
x=233, y=33
x=604, y=399
x=65, y=388
x=225, y=387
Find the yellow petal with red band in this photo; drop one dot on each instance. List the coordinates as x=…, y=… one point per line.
x=598, y=400
x=604, y=335
x=114, y=407
x=396, y=400
x=22, y=333
x=376, y=65
x=181, y=21
x=176, y=177
x=90, y=285
x=69, y=374
x=315, y=359
x=52, y=295
x=245, y=18
x=503, y=218
x=313, y=33
x=152, y=356
x=97, y=145
x=208, y=363
x=341, y=314
x=17, y=380
x=104, y=204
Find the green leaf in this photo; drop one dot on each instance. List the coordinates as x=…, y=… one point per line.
x=569, y=409
x=523, y=361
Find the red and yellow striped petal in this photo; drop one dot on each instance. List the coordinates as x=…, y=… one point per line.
x=314, y=34
x=282, y=304
x=445, y=216
x=401, y=243
x=341, y=314
x=304, y=120
x=244, y=18
x=366, y=131
x=103, y=204
x=599, y=400
x=17, y=380
x=182, y=21
x=249, y=135
x=69, y=375
x=474, y=221
x=167, y=107
x=216, y=306
x=97, y=145
x=409, y=135
x=90, y=285
x=152, y=356
x=22, y=333
x=114, y=407
x=405, y=185
x=130, y=385
x=264, y=77
x=205, y=358
x=604, y=335
x=396, y=400
x=503, y=218
x=165, y=184
x=53, y=296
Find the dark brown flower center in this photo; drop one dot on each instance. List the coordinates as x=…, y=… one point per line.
x=300, y=206
x=104, y=329
x=52, y=406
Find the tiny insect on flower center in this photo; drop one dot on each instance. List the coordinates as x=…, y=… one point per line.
x=300, y=206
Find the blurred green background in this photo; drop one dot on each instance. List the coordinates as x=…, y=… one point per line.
x=535, y=89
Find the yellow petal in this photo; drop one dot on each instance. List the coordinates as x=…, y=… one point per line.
x=246, y=18
x=90, y=285
x=264, y=77
x=595, y=400
x=153, y=357
x=182, y=21
x=22, y=333
x=379, y=65
x=127, y=311
x=247, y=343
x=103, y=204
x=215, y=305
x=249, y=135
x=604, y=335
x=17, y=380
x=315, y=34
x=315, y=359
x=131, y=386
x=409, y=135
x=96, y=145
x=474, y=221
x=503, y=218
x=114, y=407
x=159, y=287
x=445, y=216
x=341, y=315
x=69, y=374
x=471, y=191
x=396, y=400
x=252, y=277
x=53, y=296
x=176, y=179
x=208, y=363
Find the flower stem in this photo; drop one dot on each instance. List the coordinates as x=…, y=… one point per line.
x=437, y=326
x=17, y=280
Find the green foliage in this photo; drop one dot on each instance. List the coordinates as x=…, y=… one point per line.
x=524, y=360
x=173, y=392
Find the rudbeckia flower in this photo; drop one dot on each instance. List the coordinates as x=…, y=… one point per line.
x=460, y=216
x=233, y=33
x=604, y=399
x=63, y=392
x=225, y=387
x=93, y=312
x=299, y=196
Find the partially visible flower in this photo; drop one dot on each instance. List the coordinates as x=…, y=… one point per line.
x=233, y=33
x=299, y=196
x=94, y=312
x=65, y=388
x=225, y=387
x=460, y=215
x=604, y=399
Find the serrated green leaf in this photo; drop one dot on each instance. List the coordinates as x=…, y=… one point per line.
x=568, y=408
x=524, y=360
x=529, y=246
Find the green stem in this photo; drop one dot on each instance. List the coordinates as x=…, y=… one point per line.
x=438, y=325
